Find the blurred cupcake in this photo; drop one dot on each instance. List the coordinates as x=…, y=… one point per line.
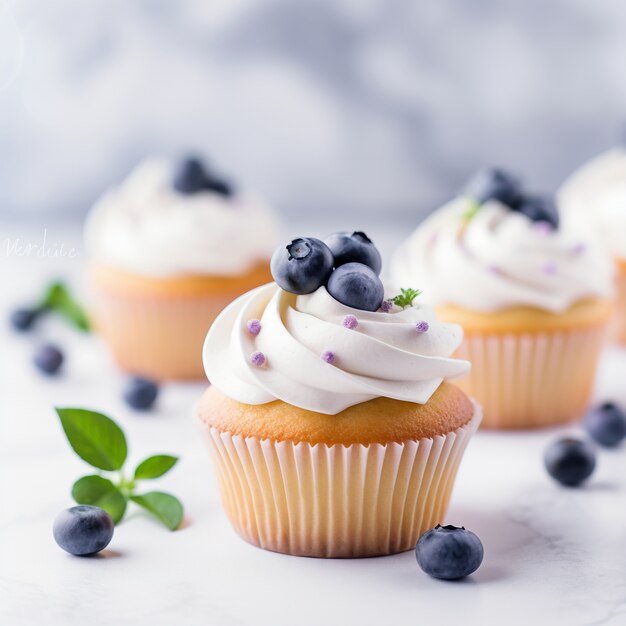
x=331, y=429
x=533, y=299
x=169, y=248
x=594, y=198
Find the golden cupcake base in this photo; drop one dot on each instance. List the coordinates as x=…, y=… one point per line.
x=155, y=327
x=336, y=500
x=531, y=368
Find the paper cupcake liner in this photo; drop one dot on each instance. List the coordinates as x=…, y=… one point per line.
x=336, y=501
x=532, y=380
x=619, y=320
x=156, y=336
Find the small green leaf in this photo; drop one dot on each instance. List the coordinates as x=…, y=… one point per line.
x=96, y=438
x=100, y=492
x=472, y=209
x=155, y=466
x=406, y=297
x=163, y=506
x=58, y=298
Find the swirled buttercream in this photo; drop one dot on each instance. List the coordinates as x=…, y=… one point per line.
x=316, y=353
x=594, y=197
x=498, y=259
x=146, y=227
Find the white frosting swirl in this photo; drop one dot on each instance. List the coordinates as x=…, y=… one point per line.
x=499, y=259
x=595, y=197
x=145, y=226
x=384, y=356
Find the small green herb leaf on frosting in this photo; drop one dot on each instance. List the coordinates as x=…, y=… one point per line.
x=405, y=297
x=472, y=210
x=99, y=441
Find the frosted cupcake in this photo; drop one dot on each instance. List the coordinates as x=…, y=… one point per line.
x=168, y=249
x=533, y=298
x=594, y=197
x=331, y=427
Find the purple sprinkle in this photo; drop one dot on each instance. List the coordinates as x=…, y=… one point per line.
x=386, y=306
x=543, y=228
x=549, y=268
x=579, y=248
x=422, y=327
x=494, y=269
x=257, y=359
x=328, y=356
x=350, y=321
x=254, y=327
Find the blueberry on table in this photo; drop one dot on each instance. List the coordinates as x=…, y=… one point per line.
x=494, y=184
x=449, y=553
x=140, y=393
x=23, y=319
x=606, y=424
x=356, y=285
x=570, y=461
x=83, y=530
x=356, y=247
x=302, y=266
x=539, y=209
x=48, y=359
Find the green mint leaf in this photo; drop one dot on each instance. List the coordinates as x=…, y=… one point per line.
x=101, y=492
x=96, y=438
x=163, y=506
x=155, y=466
x=406, y=297
x=58, y=298
x=472, y=209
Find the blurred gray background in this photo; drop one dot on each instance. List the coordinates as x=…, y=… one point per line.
x=324, y=106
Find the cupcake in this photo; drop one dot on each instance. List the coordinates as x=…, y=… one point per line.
x=331, y=427
x=533, y=298
x=168, y=249
x=594, y=197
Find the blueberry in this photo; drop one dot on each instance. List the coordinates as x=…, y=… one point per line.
x=606, y=424
x=48, y=358
x=302, y=266
x=23, y=319
x=140, y=393
x=539, y=209
x=356, y=285
x=494, y=184
x=449, y=553
x=570, y=461
x=83, y=529
x=356, y=247
x=191, y=177
x=218, y=185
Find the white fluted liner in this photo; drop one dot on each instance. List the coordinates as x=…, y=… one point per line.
x=619, y=319
x=532, y=380
x=336, y=501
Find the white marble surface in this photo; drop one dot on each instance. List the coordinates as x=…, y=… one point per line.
x=552, y=556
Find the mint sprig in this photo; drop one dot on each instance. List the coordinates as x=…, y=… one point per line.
x=405, y=297
x=57, y=298
x=474, y=207
x=99, y=441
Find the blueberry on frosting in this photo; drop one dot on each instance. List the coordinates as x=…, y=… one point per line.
x=354, y=248
x=356, y=285
x=494, y=184
x=540, y=209
x=302, y=266
x=191, y=177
